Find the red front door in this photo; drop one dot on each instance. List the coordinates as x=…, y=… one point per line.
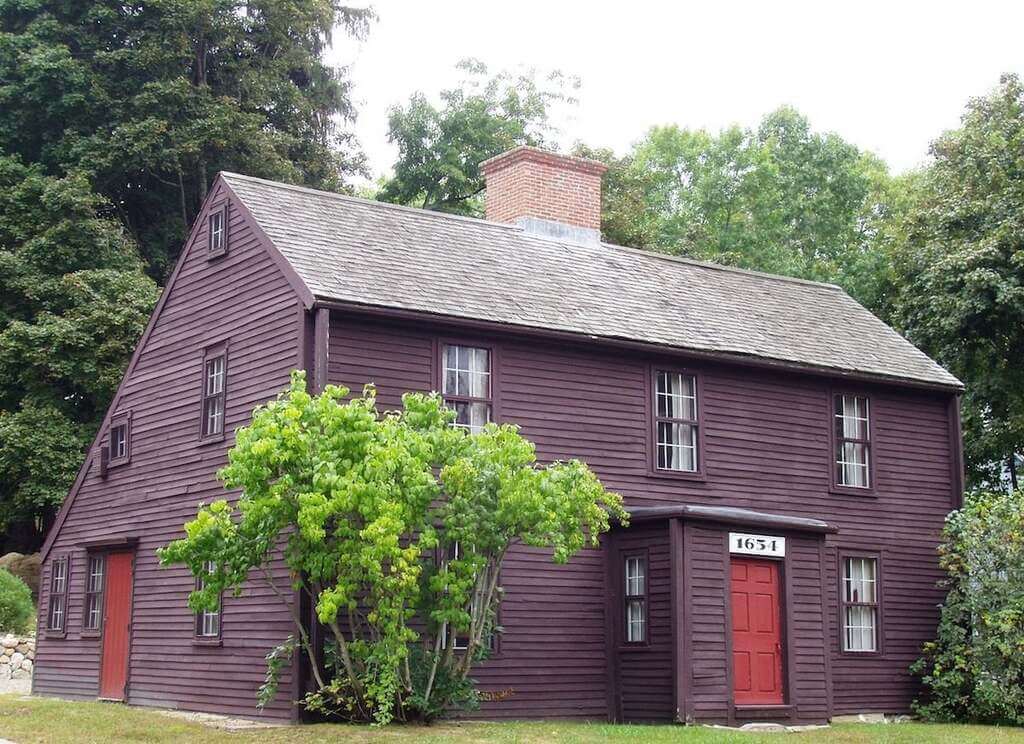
x=756, y=632
x=117, y=618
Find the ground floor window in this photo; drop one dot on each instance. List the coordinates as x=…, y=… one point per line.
x=207, y=621
x=860, y=604
x=58, y=594
x=94, y=593
x=636, y=599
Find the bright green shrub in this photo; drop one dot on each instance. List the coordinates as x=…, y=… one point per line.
x=16, y=608
x=974, y=669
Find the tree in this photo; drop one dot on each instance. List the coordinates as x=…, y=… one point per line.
x=148, y=101
x=361, y=505
x=440, y=149
x=961, y=273
x=780, y=198
x=73, y=302
x=974, y=670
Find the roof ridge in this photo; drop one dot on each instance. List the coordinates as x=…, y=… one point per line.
x=369, y=202
x=723, y=267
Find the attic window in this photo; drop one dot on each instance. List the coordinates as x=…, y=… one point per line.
x=119, y=440
x=217, y=232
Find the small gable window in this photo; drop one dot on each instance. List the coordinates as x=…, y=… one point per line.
x=852, y=441
x=119, y=440
x=215, y=362
x=466, y=385
x=217, y=232
x=58, y=612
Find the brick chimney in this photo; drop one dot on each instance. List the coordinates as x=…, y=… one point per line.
x=545, y=193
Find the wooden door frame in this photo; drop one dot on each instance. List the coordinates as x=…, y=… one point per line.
x=131, y=551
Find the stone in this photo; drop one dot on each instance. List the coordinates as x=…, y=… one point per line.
x=763, y=727
x=5, y=672
x=8, y=651
x=21, y=648
x=20, y=674
x=8, y=641
x=16, y=659
x=26, y=665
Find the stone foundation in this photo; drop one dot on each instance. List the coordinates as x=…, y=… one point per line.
x=17, y=655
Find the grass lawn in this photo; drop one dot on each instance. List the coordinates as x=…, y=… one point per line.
x=40, y=720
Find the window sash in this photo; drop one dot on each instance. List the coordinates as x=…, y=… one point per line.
x=94, y=587
x=860, y=604
x=676, y=422
x=852, y=416
x=214, y=375
x=216, y=231
x=57, y=614
x=635, y=596
x=207, y=621
x=119, y=442
x=466, y=385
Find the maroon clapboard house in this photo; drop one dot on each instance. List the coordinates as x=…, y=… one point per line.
x=787, y=458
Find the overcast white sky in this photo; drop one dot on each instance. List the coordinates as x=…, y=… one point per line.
x=887, y=76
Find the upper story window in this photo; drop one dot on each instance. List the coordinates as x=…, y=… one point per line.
x=93, y=619
x=119, y=440
x=636, y=599
x=207, y=621
x=58, y=613
x=675, y=421
x=853, y=441
x=860, y=604
x=215, y=364
x=217, y=232
x=466, y=385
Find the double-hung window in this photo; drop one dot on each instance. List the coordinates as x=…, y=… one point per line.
x=93, y=619
x=636, y=599
x=676, y=426
x=207, y=621
x=466, y=385
x=860, y=601
x=461, y=643
x=58, y=612
x=215, y=367
x=852, y=441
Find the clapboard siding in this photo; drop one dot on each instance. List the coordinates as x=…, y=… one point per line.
x=243, y=299
x=766, y=447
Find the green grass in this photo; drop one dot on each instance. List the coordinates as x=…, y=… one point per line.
x=27, y=721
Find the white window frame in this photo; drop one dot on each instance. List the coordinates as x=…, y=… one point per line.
x=670, y=451
x=847, y=472
x=860, y=616
x=635, y=582
x=473, y=400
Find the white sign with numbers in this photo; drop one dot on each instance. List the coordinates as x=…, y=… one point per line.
x=767, y=545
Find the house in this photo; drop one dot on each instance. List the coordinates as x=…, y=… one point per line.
x=787, y=458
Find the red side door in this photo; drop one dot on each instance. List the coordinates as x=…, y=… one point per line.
x=117, y=618
x=756, y=632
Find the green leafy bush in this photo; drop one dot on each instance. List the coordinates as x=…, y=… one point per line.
x=974, y=670
x=394, y=526
x=16, y=608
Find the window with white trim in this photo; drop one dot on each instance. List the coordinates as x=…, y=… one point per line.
x=675, y=421
x=466, y=385
x=217, y=232
x=58, y=612
x=461, y=643
x=118, y=442
x=214, y=373
x=853, y=441
x=860, y=604
x=207, y=621
x=636, y=599
x=93, y=619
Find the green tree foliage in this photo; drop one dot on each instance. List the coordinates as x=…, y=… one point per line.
x=974, y=670
x=440, y=149
x=367, y=509
x=780, y=198
x=961, y=270
x=73, y=301
x=16, y=609
x=149, y=100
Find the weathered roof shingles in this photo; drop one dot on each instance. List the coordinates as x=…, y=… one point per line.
x=369, y=253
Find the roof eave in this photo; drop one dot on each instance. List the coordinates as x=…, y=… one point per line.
x=396, y=313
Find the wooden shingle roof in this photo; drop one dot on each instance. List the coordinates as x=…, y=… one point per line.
x=372, y=254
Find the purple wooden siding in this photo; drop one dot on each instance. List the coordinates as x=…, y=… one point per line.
x=766, y=447
x=242, y=298
x=644, y=676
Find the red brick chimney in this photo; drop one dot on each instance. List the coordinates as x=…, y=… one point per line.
x=555, y=195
